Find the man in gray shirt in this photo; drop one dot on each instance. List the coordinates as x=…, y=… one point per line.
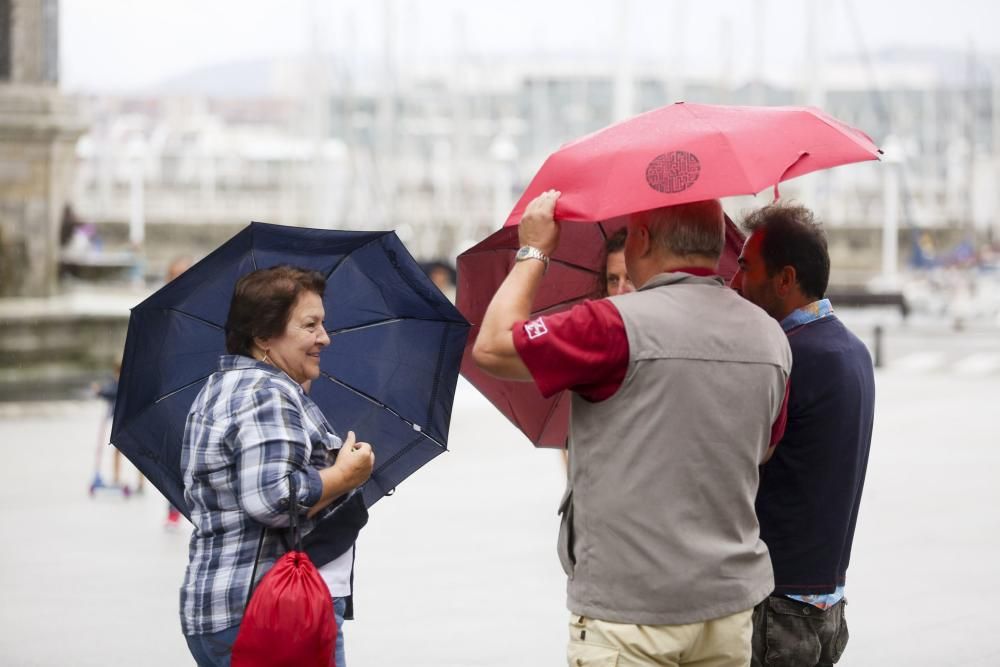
x=672, y=414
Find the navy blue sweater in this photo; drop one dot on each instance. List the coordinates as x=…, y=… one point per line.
x=811, y=488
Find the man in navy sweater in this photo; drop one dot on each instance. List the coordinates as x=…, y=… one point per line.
x=810, y=489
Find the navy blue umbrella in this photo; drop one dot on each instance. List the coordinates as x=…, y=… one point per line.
x=389, y=373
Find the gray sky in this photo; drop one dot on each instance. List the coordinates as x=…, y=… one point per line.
x=120, y=45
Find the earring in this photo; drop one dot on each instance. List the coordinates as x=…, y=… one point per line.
x=264, y=359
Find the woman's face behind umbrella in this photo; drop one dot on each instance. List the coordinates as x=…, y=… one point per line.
x=296, y=351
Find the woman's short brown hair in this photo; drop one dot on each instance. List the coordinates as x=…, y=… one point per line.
x=262, y=303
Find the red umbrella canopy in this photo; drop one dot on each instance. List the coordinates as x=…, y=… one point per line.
x=690, y=152
x=574, y=274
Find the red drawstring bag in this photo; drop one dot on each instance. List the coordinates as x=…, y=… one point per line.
x=289, y=620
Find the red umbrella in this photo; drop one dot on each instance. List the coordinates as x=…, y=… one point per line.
x=673, y=155
x=691, y=152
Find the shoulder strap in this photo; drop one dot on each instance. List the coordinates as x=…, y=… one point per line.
x=293, y=522
x=256, y=561
x=293, y=512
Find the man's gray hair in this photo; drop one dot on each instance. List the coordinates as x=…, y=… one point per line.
x=684, y=230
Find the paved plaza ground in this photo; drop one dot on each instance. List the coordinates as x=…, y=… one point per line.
x=458, y=568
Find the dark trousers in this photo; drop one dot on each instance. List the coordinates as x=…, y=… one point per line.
x=789, y=633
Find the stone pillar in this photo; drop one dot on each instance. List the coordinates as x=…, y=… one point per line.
x=38, y=133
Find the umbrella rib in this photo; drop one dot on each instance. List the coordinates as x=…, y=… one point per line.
x=361, y=247
x=360, y=327
x=253, y=257
x=196, y=318
x=180, y=389
x=548, y=418
x=372, y=399
x=442, y=349
x=513, y=415
x=561, y=303
x=410, y=445
x=849, y=135
x=147, y=408
x=571, y=265
x=391, y=320
x=552, y=260
x=725, y=137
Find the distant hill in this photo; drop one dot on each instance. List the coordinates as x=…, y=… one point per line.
x=291, y=76
x=238, y=79
x=245, y=78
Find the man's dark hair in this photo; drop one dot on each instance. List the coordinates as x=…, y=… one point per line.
x=612, y=244
x=615, y=242
x=262, y=303
x=793, y=237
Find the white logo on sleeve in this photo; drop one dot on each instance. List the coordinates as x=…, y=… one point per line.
x=535, y=328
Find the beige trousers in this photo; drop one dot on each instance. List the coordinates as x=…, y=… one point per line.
x=720, y=642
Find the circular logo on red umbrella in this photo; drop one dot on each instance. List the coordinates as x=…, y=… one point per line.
x=673, y=172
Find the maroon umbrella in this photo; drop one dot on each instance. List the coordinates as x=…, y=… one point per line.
x=574, y=274
x=673, y=155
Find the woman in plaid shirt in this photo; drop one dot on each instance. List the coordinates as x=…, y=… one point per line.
x=252, y=429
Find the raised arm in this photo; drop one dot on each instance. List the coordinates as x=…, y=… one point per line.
x=494, y=350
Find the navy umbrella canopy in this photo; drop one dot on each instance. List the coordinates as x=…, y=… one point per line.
x=389, y=373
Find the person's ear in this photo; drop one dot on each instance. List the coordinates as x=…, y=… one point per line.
x=644, y=240
x=262, y=344
x=787, y=281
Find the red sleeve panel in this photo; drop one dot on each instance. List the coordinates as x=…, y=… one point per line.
x=778, y=428
x=583, y=349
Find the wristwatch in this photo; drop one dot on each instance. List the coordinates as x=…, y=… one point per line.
x=531, y=252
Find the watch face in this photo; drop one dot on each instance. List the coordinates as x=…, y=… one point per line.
x=522, y=253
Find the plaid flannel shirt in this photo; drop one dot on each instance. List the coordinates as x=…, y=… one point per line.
x=249, y=431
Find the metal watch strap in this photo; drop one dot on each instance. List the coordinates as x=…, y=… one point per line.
x=531, y=252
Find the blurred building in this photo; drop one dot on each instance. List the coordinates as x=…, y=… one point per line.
x=442, y=155
x=38, y=134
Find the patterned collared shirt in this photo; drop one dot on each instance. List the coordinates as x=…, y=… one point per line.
x=250, y=430
x=816, y=310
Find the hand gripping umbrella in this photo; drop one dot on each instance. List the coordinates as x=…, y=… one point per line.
x=673, y=155
x=389, y=373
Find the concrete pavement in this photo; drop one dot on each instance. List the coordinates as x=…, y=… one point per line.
x=458, y=568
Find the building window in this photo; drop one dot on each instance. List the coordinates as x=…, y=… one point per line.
x=6, y=39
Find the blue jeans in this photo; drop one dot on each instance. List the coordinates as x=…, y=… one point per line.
x=213, y=649
x=339, y=606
